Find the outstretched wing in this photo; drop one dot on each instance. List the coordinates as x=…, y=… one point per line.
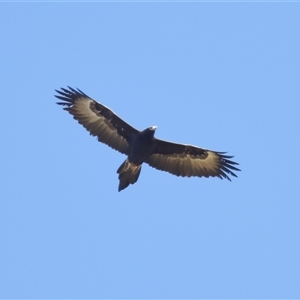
x=98, y=119
x=187, y=160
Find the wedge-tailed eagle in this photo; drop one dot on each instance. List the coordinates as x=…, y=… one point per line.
x=142, y=146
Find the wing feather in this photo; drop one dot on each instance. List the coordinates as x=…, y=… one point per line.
x=98, y=119
x=187, y=160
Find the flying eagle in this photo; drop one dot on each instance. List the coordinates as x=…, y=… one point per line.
x=142, y=146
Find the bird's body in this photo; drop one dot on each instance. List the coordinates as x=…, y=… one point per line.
x=142, y=146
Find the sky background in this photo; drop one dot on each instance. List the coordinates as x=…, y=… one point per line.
x=223, y=76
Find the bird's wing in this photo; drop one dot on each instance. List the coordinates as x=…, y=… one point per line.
x=98, y=119
x=187, y=160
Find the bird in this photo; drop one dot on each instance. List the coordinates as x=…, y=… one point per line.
x=141, y=146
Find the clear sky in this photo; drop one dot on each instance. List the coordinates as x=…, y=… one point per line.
x=223, y=76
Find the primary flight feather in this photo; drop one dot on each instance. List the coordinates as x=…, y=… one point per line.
x=142, y=146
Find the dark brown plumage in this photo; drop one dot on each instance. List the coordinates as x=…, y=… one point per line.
x=142, y=146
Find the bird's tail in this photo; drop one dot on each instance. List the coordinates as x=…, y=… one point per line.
x=128, y=174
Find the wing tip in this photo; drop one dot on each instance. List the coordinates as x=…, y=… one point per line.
x=227, y=166
x=69, y=96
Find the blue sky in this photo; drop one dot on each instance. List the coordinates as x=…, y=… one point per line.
x=223, y=76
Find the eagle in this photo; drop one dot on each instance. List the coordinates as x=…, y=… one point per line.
x=141, y=146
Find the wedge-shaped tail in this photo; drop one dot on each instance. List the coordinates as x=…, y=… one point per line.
x=128, y=174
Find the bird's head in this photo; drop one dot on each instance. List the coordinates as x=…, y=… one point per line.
x=152, y=128
x=149, y=132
